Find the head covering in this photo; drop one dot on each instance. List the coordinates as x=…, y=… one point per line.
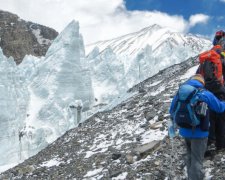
x=218, y=36
x=221, y=42
x=219, y=33
x=199, y=77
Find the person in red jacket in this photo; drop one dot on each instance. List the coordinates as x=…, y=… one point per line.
x=213, y=70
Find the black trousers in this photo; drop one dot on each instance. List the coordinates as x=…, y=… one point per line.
x=217, y=120
x=217, y=129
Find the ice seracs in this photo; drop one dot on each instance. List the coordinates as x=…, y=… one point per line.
x=61, y=80
x=12, y=107
x=36, y=96
x=120, y=63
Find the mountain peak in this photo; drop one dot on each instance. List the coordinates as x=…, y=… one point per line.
x=153, y=27
x=25, y=37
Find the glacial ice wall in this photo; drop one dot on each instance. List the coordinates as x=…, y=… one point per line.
x=61, y=80
x=41, y=95
x=14, y=99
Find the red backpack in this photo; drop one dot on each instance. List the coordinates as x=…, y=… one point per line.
x=211, y=65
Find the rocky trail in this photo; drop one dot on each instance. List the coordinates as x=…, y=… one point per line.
x=127, y=142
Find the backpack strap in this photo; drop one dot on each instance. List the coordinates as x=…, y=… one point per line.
x=193, y=116
x=191, y=95
x=178, y=104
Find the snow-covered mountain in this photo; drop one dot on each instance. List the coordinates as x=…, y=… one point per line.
x=120, y=63
x=128, y=142
x=161, y=40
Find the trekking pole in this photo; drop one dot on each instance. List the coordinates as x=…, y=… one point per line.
x=171, y=132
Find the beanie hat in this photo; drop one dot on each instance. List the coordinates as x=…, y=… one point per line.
x=218, y=36
x=199, y=77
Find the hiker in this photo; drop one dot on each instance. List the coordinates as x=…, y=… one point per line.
x=218, y=36
x=212, y=67
x=189, y=112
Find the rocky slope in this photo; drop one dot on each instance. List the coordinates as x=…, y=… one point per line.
x=127, y=142
x=18, y=37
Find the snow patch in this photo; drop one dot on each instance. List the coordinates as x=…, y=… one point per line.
x=50, y=163
x=189, y=73
x=155, y=83
x=93, y=172
x=89, y=154
x=159, y=90
x=208, y=175
x=152, y=135
x=39, y=37
x=121, y=176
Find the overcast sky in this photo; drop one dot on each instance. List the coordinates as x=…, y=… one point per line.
x=106, y=19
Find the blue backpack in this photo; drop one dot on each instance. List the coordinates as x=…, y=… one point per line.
x=185, y=113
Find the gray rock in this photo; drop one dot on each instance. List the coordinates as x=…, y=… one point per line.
x=129, y=158
x=149, y=114
x=115, y=173
x=156, y=125
x=18, y=38
x=116, y=156
x=146, y=148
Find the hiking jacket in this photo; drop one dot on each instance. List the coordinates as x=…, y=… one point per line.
x=213, y=103
x=215, y=85
x=223, y=66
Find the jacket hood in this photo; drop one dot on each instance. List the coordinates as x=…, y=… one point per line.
x=195, y=83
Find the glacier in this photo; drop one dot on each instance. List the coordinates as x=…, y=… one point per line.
x=120, y=63
x=14, y=100
x=60, y=82
x=44, y=97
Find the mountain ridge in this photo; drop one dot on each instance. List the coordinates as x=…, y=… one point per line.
x=131, y=44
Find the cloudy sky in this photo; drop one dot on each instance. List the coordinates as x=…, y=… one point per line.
x=106, y=19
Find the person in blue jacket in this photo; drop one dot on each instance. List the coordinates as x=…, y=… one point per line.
x=196, y=141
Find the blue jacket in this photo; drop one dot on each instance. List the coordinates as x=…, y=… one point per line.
x=213, y=103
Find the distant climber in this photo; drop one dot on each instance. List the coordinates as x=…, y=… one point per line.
x=21, y=134
x=186, y=106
